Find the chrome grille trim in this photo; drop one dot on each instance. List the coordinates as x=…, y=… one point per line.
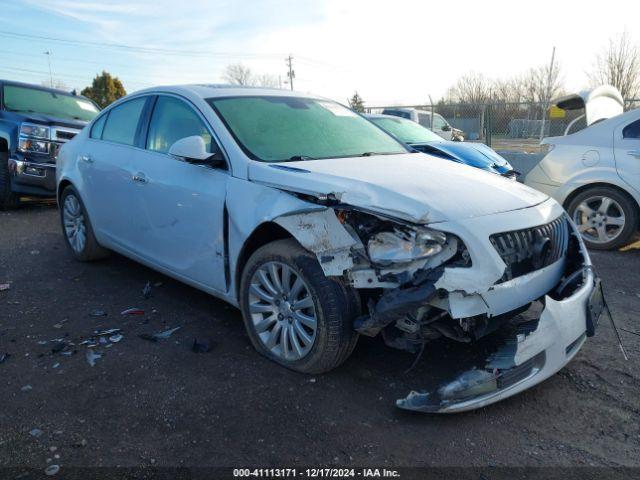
x=524, y=251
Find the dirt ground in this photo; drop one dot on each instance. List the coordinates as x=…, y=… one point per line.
x=158, y=403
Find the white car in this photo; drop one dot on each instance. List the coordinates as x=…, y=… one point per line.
x=319, y=226
x=440, y=126
x=595, y=174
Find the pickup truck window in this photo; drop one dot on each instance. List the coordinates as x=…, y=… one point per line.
x=56, y=104
x=276, y=129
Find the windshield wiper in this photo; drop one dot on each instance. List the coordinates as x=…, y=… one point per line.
x=299, y=158
x=370, y=154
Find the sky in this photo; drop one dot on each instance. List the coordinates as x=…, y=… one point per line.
x=390, y=52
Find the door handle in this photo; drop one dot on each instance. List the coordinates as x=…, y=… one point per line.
x=140, y=178
x=86, y=158
x=634, y=153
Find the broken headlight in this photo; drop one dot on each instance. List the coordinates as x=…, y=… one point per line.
x=404, y=245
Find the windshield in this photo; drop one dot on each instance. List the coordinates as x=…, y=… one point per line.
x=60, y=105
x=274, y=129
x=405, y=130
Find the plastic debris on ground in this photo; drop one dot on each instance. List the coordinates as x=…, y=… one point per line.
x=97, y=313
x=26, y=388
x=55, y=365
x=146, y=291
x=115, y=338
x=92, y=357
x=132, y=311
x=52, y=470
x=166, y=333
x=36, y=432
x=201, y=346
x=4, y=357
x=4, y=286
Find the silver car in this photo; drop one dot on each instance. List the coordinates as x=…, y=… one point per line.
x=595, y=175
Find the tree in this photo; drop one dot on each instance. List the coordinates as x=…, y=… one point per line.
x=619, y=65
x=267, y=80
x=238, y=74
x=104, y=89
x=356, y=103
x=471, y=88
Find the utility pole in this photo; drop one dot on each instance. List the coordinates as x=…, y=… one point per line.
x=48, y=54
x=547, y=93
x=291, y=74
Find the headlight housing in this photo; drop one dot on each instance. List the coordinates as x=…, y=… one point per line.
x=403, y=246
x=35, y=131
x=29, y=145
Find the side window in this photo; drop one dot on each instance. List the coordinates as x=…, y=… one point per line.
x=438, y=122
x=632, y=130
x=172, y=120
x=98, y=127
x=424, y=119
x=122, y=122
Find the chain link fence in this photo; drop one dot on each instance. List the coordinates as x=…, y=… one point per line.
x=504, y=126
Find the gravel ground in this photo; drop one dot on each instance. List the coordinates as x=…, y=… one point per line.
x=158, y=403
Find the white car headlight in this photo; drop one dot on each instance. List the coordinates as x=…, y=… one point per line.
x=35, y=131
x=402, y=246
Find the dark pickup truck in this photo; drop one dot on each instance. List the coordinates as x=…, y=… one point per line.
x=34, y=122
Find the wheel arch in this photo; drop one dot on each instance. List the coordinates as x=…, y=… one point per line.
x=582, y=188
x=64, y=183
x=263, y=234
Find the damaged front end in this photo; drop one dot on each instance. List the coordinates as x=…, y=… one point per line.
x=464, y=280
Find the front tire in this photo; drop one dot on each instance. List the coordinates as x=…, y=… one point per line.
x=8, y=199
x=606, y=217
x=77, y=229
x=293, y=313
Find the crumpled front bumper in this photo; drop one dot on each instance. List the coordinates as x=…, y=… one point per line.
x=527, y=358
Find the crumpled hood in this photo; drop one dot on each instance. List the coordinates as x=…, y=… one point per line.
x=405, y=186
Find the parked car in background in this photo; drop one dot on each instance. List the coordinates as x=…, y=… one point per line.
x=34, y=122
x=440, y=126
x=424, y=140
x=320, y=226
x=595, y=174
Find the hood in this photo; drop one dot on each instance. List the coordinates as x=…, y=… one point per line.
x=43, y=119
x=473, y=154
x=414, y=187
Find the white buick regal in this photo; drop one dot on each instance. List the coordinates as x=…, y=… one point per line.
x=321, y=227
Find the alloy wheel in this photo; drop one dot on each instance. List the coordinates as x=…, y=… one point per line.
x=599, y=219
x=74, y=224
x=282, y=311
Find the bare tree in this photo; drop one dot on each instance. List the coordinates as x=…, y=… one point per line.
x=471, y=88
x=266, y=80
x=238, y=74
x=619, y=65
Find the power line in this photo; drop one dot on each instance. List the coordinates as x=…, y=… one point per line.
x=121, y=46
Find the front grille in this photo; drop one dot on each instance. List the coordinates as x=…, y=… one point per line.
x=64, y=135
x=524, y=251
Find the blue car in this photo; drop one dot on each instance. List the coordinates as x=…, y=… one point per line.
x=424, y=140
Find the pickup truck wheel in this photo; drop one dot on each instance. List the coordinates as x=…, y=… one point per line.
x=8, y=199
x=606, y=218
x=76, y=228
x=293, y=313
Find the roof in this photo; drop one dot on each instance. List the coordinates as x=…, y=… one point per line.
x=39, y=87
x=222, y=90
x=382, y=115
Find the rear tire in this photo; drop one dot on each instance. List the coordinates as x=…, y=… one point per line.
x=265, y=310
x=606, y=217
x=77, y=229
x=8, y=199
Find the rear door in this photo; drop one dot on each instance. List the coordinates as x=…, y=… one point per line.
x=178, y=207
x=627, y=151
x=105, y=167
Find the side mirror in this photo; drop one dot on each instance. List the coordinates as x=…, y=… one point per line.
x=193, y=150
x=446, y=128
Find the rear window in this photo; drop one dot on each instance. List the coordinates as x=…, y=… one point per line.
x=122, y=122
x=632, y=130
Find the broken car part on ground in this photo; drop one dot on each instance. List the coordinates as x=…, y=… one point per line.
x=319, y=238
